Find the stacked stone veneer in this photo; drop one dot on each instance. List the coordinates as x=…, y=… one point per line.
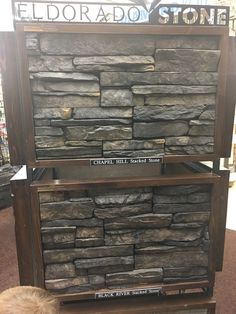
x=122, y=95
x=124, y=238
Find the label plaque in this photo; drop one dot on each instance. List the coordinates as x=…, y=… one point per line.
x=127, y=293
x=125, y=161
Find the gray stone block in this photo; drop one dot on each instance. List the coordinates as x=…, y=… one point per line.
x=63, y=77
x=201, y=130
x=189, y=140
x=66, y=283
x=50, y=63
x=157, y=235
x=53, y=113
x=122, y=199
x=192, y=217
x=106, y=132
x=178, y=208
x=91, y=122
x=166, y=100
x=138, y=276
x=55, y=271
x=49, y=141
x=134, y=144
x=102, y=113
x=191, y=258
x=134, y=154
x=160, y=129
x=48, y=131
x=69, y=255
x=91, y=222
x=70, y=152
x=89, y=232
x=89, y=242
x=103, y=261
x=71, y=101
x=197, y=197
x=67, y=210
x=110, y=269
x=114, y=63
x=49, y=197
x=83, y=44
x=180, y=112
x=123, y=211
x=69, y=87
x=182, y=189
x=186, y=60
x=116, y=98
x=156, y=78
x=172, y=89
x=147, y=221
x=58, y=237
x=189, y=42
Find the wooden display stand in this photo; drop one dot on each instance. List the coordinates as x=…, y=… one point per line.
x=118, y=204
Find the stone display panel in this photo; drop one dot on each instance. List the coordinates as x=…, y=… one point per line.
x=125, y=238
x=98, y=95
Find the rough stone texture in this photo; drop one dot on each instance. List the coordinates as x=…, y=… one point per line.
x=202, y=130
x=160, y=129
x=55, y=271
x=103, y=261
x=61, y=237
x=116, y=97
x=72, y=101
x=50, y=63
x=48, y=131
x=189, y=42
x=91, y=122
x=63, y=77
x=147, y=221
x=83, y=143
x=42, y=122
x=185, y=258
x=107, y=132
x=140, y=276
x=67, y=210
x=197, y=197
x=152, y=113
x=175, y=208
x=124, y=211
x=133, y=144
x=83, y=45
x=52, y=113
x=91, y=222
x=89, y=242
x=114, y=63
x=208, y=115
x=61, y=284
x=191, y=217
x=74, y=87
x=87, y=232
x=165, y=100
x=68, y=255
x=172, y=89
x=32, y=44
x=159, y=235
x=151, y=78
x=186, y=60
x=48, y=141
x=122, y=200
x=182, y=189
x=110, y=269
x=188, y=140
x=190, y=150
x=185, y=272
x=48, y=197
x=71, y=152
x=102, y=113
x=133, y=154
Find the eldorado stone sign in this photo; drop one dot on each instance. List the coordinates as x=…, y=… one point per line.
x=131, y=12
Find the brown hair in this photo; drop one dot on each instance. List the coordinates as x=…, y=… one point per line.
x=28, y=300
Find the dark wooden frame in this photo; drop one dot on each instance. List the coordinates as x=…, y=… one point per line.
x=32, y=237
x=27, y=115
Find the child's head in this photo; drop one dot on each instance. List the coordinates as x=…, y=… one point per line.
x=27, y=300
